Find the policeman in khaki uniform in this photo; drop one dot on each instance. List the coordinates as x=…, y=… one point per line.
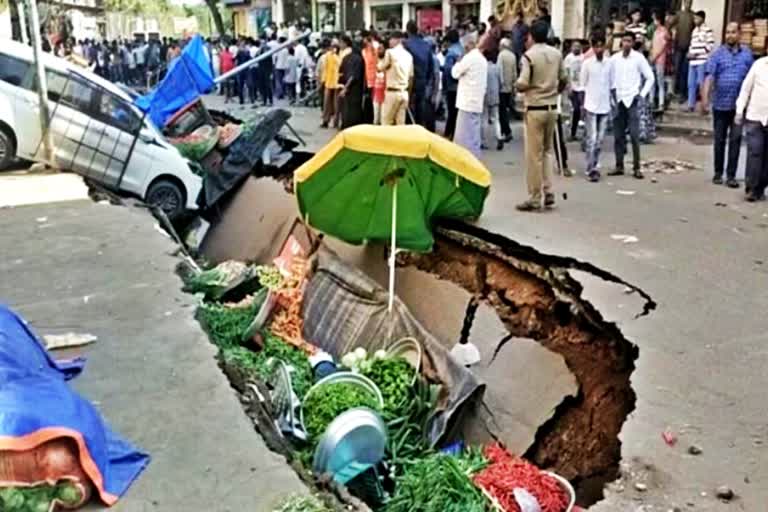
x=397, y=66
x=542, y=78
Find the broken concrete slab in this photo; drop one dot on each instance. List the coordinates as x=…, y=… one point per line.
x=154, y=376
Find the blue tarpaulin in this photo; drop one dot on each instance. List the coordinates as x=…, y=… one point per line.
x=37, y=406
x=188, y=77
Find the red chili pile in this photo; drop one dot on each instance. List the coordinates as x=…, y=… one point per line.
x=505, y=473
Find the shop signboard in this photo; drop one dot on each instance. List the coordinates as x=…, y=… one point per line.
x=429, y=18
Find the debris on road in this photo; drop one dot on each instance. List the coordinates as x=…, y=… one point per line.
x=663, y=166
x=669, y=437
x=627, y=239
x=641, y=487
x=68, y=340
x=626, y=192
x=695, y=450
x=725, y=493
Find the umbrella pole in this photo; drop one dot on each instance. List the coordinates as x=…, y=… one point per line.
x=393, y=251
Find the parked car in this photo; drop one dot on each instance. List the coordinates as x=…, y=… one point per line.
x=96, y=131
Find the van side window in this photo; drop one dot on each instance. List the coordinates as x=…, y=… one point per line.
x=14, y=71
x=72, y=91
x=118, y=113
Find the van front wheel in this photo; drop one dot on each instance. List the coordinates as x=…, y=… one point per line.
x=168, y=196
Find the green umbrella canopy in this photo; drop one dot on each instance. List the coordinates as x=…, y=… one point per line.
x=346, y=189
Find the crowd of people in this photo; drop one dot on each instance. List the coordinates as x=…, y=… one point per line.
x=470, y=76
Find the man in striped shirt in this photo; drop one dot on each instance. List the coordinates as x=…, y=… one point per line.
x=702, y=44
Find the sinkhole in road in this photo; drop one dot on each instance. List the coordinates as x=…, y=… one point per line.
x=535, y=297
x=531, y=295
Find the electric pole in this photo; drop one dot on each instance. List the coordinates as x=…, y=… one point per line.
x=42, y=84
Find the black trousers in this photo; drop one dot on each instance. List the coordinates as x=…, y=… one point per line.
x=418, y=106
x=453, y=112
x=627, y=117
x=265, y=87
x=727, y=133
x=757, y=158
x=505, y=111
x=561, y=151
x=577, y=102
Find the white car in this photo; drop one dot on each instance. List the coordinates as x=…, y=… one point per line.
x=96, y=131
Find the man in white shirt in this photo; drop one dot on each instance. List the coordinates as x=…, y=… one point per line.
x=573, y=62
x=472, y=73
x=281, y=65
x=305, y=64
x=631, y=81
x=397, y=65
x=595, y=78
x=752, y=105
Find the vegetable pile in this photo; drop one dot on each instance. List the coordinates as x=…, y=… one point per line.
x=215, y=282
x=439, y=483
x=228, y=323
x=328, y=401
x=198, y=143
x=38, y=498
x=394, y=378
x=507, y=473
x=255, y=363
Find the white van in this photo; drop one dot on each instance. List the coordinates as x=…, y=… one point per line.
x=96, y=131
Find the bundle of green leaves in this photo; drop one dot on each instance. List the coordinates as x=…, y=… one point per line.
x=38, y=498
x=440, y=483
x=330, y=400
x=255, y=363
x=227, y=324
x=394, y=378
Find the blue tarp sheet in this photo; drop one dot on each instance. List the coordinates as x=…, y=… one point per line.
x=37, y=406
x=188, y=77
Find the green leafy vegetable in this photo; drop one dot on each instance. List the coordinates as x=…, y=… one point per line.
x=256, y=362
x=269, y=276
x=215, y=282
x=323, y=405
x=227, y=324
x=438, y=483
x=38, y=498
x=394, y=378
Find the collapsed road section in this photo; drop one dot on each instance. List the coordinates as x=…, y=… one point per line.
x=536, y=298
x=343, y=309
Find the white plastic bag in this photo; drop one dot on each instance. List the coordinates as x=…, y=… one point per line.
x=526, y=501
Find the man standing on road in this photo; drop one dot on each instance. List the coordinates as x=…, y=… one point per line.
x=421, y=51
x=726, y=71
x=519, y=36
x=397, y=65
x=281, y=66
x=596, y=79
x=702, y=44
x=507, y=63
x=542, y=79
x=330, y=79
x=682, y=43
x=450, y=84
x=573, y=63
x=472, y=73
x=752, y=104
x=631, y=82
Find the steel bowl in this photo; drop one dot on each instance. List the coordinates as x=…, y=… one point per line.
x=410, y=350
x=353, y=442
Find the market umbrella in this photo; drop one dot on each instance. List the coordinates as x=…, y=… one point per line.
x=379, y=184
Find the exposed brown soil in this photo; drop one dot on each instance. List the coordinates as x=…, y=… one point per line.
x=536, y=298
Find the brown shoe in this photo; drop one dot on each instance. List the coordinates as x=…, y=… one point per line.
x=529, y=206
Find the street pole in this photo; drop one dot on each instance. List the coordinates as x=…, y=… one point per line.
x=42, y=84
